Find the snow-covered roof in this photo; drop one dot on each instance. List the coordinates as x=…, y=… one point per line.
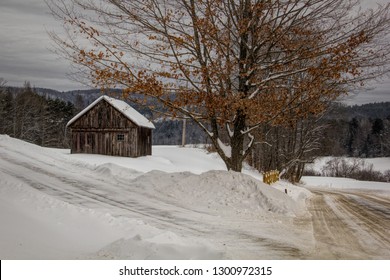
x=122, y=107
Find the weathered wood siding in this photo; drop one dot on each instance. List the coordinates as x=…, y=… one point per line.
x=145, y=138
x=97, y=132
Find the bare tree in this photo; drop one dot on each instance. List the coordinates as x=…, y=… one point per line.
x=3, y=105
x=229, y=65
x=287, y=148
x=3, y=82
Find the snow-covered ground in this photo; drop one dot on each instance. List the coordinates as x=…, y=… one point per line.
x=327, y=183
x=180, y=203
x=378, y=164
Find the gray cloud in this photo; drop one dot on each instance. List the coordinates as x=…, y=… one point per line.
x=377, y=92
x=25, y=46
x=25, y=54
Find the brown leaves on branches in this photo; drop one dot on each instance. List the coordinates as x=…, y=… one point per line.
x=233, y=64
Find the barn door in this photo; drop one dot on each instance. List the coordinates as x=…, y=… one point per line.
x=89, y=143
x=133, y=142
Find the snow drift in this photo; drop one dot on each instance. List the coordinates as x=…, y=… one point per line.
x=55, y=205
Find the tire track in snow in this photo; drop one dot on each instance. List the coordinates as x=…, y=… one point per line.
x=350, y=225
x=84, y=194
x=374, y=220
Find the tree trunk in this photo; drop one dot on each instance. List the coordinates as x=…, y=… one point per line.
x=236, y=157
x=237, y=142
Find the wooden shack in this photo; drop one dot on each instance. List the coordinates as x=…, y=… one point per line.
x=109, y=126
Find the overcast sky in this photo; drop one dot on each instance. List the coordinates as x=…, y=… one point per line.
x=25, y=53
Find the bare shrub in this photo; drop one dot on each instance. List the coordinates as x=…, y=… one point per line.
x=310, y=172
x=386, y=176
x=355, y=169
x=341, y=167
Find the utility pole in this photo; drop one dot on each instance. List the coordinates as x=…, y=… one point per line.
x=183, y=136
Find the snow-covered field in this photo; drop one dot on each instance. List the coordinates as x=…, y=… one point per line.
x=327, y=183
x=378, y=164
x=180, y=203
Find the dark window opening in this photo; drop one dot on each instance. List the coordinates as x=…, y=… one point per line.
x=89, y=139
x=120, y=137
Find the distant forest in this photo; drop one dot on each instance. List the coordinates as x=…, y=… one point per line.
x=357, y=131
x=40, y=116
x=26, y=115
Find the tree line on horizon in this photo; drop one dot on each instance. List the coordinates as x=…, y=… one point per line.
x=26, y=115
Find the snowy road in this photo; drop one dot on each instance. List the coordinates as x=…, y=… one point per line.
x=235, y=234
x=350, y=224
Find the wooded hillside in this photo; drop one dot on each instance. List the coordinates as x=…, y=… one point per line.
x=40, y=115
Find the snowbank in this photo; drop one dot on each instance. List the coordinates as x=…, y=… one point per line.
x=164, y=158
x=38, y=226
x=219, y=192
x=57, y=205
x=344, y=183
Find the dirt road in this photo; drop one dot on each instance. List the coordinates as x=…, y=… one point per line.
x=350, y=224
